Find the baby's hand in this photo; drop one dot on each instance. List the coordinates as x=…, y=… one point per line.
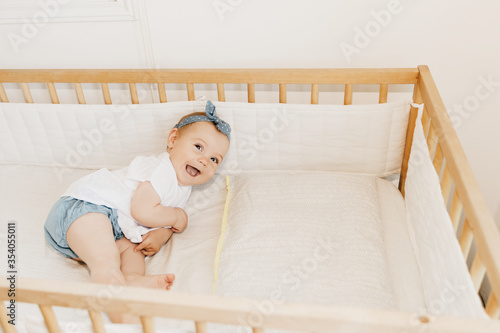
x=182, y=220
x=153, y=241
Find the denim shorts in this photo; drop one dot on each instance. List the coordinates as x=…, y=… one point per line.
x=64, y=212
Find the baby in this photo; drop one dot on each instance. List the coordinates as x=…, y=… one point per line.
x=143, y=202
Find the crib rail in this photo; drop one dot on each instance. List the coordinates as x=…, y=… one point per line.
x=284, y=75
x=461, y=192
x=204, y=309
x=250, y=77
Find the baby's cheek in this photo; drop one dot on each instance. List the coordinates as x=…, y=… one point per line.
x=212, y=171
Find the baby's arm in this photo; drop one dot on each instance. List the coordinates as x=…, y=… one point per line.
x=146, y=208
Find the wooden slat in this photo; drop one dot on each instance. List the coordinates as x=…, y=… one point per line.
x=348, y=94
x=4, y=320
x=230, y=310
x=455, y=211
x=221, y=94
x=148, y=325
x=106, y=94
x=79, y=93
x=384, y=89
x=437, y=160
x=201, y=327
x=190, y=91
x=425, y=122
x=27, y=92
x=431, y=140
x=162, y=92
x=492, y=307
x=412, y=119
x=416, y=98
x=446, y=183
x=50, y=318
x=97, y=321
x=53, y=93
x=485, y=230
x=251, y=93
x=133, y=93
x=477, y=272
x=264, y=76
x=314, y=93
x=282, y=93
x=257, y=330
x=466, y=238
x=3, y=94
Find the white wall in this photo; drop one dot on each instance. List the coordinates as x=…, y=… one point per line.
x=458, y=40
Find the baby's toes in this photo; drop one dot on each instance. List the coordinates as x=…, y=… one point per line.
x=169, y=280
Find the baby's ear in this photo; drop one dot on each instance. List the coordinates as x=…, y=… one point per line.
x=172, y=137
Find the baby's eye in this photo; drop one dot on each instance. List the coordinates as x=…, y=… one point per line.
x=215, y=160
x=199, y=147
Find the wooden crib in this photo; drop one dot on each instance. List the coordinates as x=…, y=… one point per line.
x=471, y=218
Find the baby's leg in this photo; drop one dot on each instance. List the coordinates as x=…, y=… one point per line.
x=133, y=268
x=91, y=238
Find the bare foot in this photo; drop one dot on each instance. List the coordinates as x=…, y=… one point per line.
x=161, y=281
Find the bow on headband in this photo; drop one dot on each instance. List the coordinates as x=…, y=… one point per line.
x=220, y=124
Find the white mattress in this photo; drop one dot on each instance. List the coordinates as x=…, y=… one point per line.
x=28, y=192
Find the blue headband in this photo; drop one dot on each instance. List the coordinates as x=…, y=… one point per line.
x=220, y=124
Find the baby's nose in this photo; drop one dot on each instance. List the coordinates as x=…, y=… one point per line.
x=203, y=160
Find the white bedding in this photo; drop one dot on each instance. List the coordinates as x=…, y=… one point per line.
x=446, y=283
x=34, y=136
x=330, y=238
x=27, y=193
x=366, y=139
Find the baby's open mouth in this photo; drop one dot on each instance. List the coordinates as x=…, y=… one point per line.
x=192, y=171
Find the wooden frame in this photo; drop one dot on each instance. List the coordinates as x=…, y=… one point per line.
x=467, y=208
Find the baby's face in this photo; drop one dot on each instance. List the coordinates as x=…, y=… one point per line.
x=196, y=152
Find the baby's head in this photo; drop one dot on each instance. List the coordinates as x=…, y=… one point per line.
x=197, y=146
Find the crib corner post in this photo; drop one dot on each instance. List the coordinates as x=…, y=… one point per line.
x=417, y=98
x=406, y=155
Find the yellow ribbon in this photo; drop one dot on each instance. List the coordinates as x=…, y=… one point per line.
x=222, y=234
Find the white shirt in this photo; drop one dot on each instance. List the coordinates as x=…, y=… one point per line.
x=115, y=189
